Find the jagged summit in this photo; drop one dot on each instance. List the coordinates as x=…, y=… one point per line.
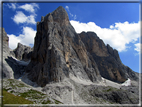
x=59, y=16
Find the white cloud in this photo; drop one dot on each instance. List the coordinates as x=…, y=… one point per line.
x=20, y=17
x=13, y=40
x=12, y=6
x=26, y=38
x=31, y=19
x=73, y=16
x=118, y=35
x=138, y=47
x=30, y=7
x=67, y=7
x=28, y=34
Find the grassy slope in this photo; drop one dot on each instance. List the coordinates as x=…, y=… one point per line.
x=9, y=98
x=34, y=95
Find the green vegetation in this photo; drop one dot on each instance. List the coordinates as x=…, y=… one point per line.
x=14, y=83
x=9, y=98
x=109, y=89
x=58, y=102
x=12, y=87
x=47, y=102
x=32, y=94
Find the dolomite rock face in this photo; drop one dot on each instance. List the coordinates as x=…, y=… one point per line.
x=59, y=52
x=107, y=59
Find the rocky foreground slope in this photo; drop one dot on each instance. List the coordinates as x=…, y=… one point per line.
x=68, y=67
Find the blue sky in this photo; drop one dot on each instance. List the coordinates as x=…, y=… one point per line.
x=116, y=24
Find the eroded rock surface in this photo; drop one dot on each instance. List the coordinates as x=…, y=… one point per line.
x=59, y=52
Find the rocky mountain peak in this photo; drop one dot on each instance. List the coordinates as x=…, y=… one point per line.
x=59, y=52
x=59, y=16
x=107, y=59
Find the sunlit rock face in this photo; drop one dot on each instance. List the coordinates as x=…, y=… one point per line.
x=59, y=52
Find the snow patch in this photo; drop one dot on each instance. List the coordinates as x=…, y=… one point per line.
x=127, y=83
x=106, y=82
x=24, y=63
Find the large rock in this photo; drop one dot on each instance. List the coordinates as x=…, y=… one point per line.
x=107, y=59
x=59, y=52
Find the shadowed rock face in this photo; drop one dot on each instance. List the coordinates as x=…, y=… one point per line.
x=107, y=59
x=59, y=52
